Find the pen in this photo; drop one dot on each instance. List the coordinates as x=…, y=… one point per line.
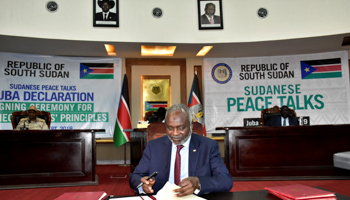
x=150, y=177
x=108, y=197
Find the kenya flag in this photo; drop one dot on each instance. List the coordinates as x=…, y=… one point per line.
x=195, y=104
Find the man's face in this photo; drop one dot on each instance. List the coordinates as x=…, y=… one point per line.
x=285, y=112
x=105, y=7
x=210, y=10
x=178, y=127
x=32, y=115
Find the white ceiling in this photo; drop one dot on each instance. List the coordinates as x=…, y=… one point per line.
x=133, y=50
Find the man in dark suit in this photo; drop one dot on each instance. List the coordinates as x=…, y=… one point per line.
x=209, y=17
x=286, y=119
x=202, y=168
x=106, y=15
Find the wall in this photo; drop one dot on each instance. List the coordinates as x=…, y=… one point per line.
x=179, y=24
x=137, y=71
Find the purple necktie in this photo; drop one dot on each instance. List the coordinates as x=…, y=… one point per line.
x=177, y=171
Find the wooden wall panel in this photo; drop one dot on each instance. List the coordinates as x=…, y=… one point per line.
x=47, y=158
x=284, y=153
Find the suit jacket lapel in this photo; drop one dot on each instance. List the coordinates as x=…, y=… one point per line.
x=166, y=156
x=193, y=155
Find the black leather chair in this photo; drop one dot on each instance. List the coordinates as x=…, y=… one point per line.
x=18, y=115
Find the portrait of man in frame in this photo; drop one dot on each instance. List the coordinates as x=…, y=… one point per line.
x=106, y=13
x=210, y=14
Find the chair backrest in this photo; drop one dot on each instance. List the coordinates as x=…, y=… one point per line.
x=158, y=129
x=18, y=115
x=267, y=113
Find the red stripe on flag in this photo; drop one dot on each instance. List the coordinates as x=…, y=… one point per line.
x=194, y=100
x=328, y=68
x=103, y=70
x=159, y=105
x=124, y=117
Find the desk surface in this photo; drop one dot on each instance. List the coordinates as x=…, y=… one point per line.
x=249, y=195
x=252, y=195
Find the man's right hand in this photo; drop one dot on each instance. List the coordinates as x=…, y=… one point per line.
x=147, y=185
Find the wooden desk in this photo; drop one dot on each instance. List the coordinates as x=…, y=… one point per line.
x=246, y=195
x=47, y=158
x=285, y=153
x=252, y=195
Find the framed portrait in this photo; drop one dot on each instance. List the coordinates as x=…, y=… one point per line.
x=210, y=14
x=106, y=13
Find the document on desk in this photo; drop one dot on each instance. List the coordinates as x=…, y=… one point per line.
x=166, y=193
x=127, y=198
x=300, y=192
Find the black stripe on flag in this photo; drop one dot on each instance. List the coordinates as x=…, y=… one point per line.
x=125, y=91
x=102, y=65
x=196, y=89
x=323, y=62
x=157, y=102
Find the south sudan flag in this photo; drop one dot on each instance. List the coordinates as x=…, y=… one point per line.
x=327, y=68
x=96, y=70
x=155, y=105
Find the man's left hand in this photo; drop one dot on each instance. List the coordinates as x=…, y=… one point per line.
x=188, y=186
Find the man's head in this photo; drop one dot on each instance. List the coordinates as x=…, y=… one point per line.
x=161, y=113
x=178, y=124
x=32, y=112
x=285, y=112
x=209, y=9
x=106, y=5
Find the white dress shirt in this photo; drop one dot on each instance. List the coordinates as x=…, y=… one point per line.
x=287, y=121
x=184, y=161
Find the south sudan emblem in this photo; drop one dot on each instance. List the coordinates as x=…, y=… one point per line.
x=221, y=73
x=156, y=89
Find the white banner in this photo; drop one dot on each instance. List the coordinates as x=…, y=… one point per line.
x=79, y=92
x=314, y=85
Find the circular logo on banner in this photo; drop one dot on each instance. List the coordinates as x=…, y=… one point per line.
x=221, y=73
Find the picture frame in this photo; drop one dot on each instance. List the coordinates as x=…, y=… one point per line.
x=205, y=8
x=106, y=13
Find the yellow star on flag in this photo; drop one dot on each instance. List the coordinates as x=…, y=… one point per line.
x=84, y=70
x=307, y=69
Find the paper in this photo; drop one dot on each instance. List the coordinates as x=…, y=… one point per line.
x=166, y=193
x=134, y=197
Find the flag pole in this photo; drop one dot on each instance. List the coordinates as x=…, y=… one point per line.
x=123, y=122
x=124, y=165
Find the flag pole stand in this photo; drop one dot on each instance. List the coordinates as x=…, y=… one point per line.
x=122, y=165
